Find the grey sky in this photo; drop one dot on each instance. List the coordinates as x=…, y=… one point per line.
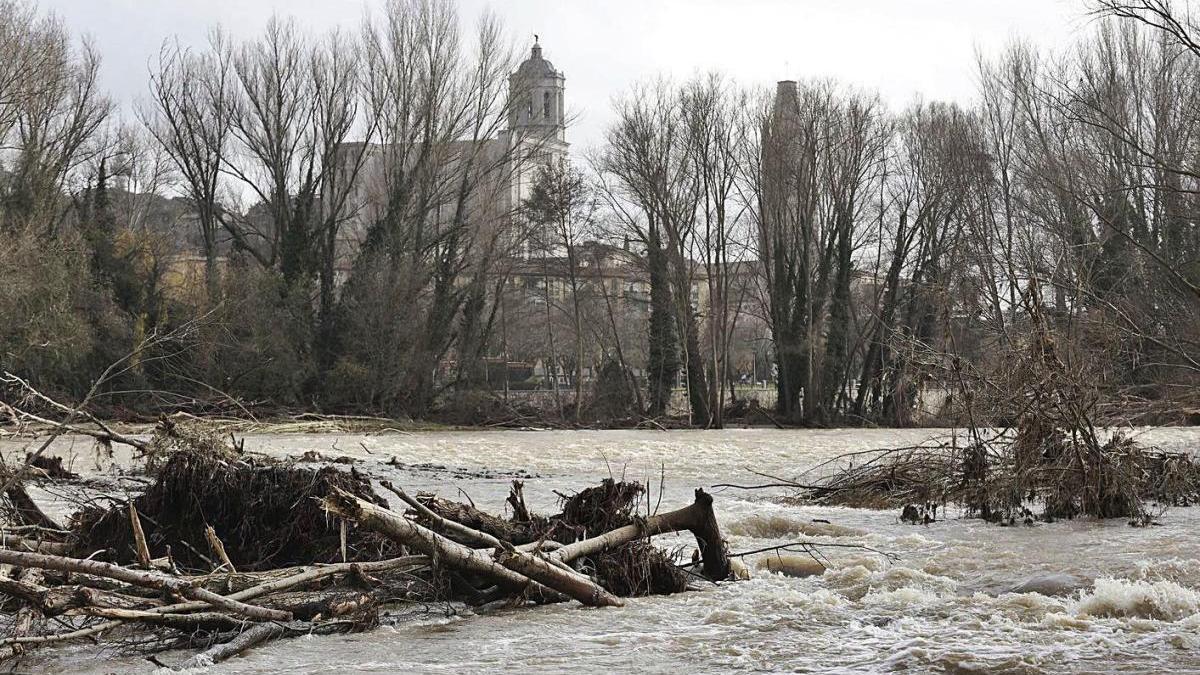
x=901, y=48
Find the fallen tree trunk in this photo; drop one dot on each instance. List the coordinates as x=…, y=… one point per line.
x=561, y=579
x=318, y=605
x=697, y=518
x=187, y=622
x=513, y=532
x=140, y=578
x=509, y=567
x=61, y=599
x=11, y=644
x=471, y=535
x=22, y=590
x=26, y=509
x=36, y=546
x=252, y=636
x=258, y=584
x=303, y=577
x=273, y=519
x=57, y=600
x=440, y=548
x=468, y=534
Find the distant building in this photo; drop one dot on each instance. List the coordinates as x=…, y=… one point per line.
x=535, y=135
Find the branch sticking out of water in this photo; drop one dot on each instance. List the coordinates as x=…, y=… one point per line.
x=813, y=548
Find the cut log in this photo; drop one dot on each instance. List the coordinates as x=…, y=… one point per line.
x=698, y=518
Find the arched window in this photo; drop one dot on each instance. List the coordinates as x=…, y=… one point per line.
x=548, y=105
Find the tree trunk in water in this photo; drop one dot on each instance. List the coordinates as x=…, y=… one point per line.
x=698, y=518
x=252, y=636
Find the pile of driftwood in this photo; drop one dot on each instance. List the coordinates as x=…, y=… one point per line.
x=1009, y=477
x=222, y=551
x=1052, y=460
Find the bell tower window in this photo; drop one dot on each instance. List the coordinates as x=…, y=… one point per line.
x=548, y=105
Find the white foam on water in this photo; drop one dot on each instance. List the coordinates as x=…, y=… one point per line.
x=903, y=598
x=791, y=565
x=777, y=525
x=1183, y=571
x=1121, y=598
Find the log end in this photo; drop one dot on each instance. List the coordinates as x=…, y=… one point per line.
x=341, y=503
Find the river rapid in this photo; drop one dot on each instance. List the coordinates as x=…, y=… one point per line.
x=962, y=596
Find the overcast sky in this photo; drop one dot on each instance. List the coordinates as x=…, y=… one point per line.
x=901, y=48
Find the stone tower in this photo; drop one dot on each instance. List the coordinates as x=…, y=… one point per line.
x=780, y=161
x=536, y=134
x=537, y=109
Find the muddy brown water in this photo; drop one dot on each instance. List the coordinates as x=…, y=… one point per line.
x=1095, y=596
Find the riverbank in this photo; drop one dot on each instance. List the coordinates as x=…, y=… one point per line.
x=313, y=423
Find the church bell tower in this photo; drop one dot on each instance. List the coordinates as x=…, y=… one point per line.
x=537, y=109
x=536, y=134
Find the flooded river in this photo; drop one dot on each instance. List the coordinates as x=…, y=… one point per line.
x=1091, y=596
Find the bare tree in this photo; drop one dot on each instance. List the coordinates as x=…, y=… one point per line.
x=647, y=154
x=50, y=109
x=711, y=109
x=189, y=115
x=561, y=200
x=436, y=233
